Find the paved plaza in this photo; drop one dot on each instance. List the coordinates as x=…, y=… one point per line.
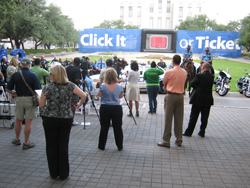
x=221, y=159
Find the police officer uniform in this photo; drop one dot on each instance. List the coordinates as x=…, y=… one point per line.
x=187, y=54
x=162, y=64
x=206, y=57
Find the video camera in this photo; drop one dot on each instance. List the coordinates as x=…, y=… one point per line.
x=116, y=59
x=84, y=63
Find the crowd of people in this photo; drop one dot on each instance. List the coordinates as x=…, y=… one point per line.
x=61, y=96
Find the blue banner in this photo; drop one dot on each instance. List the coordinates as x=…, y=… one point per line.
x=221, y=43
x=106, y=40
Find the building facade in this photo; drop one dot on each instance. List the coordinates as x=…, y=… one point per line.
x=158, y=14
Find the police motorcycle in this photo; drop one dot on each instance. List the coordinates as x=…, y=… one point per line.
x=221, y=83
x=244, y=85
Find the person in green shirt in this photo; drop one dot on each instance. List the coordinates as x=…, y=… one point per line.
x=39, y=71
x=153, y=85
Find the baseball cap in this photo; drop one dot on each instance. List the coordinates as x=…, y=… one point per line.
x=26, y=61
x=189, y=46
x=207, y=48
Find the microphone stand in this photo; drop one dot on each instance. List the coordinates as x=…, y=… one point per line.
x=84, y=111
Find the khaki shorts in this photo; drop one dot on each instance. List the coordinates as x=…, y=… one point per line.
x=25, y=108
x=74, y=100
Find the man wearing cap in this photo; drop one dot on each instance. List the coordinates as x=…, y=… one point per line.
x=207, y=58
x=187, y=55
x=24, y=101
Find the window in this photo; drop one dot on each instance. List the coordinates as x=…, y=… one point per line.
x=190, y=11
x=121, y=17
x=168, y=3
x=160, y=1
x=151, y=10
x=180, y=21
x=167, y=23
x=121, y=10
x=199, y=9
x=180, y=11
x=159, y=9
x=159, y=23
x=139, y=11
x=168, y=9
x=130, y=11
x=151, y=22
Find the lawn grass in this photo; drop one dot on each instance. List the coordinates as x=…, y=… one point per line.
x=235, y=69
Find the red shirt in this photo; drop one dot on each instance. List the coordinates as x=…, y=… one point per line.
x=174, y=80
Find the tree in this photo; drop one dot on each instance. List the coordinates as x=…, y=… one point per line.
x=203, y=23
x=7, y=8
x=56, y=29
x=24, y=22
x=245, y=33
x=115, y=24
x=234, y=26
x=197, y=23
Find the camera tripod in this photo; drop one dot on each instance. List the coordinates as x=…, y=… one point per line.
x=93, y=104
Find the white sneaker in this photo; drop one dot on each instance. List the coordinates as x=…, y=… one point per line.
x=75, y=123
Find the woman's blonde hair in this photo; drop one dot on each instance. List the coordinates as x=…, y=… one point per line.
x=111, y=76
x=59, y=74
x=1, y=76
x=14, y=61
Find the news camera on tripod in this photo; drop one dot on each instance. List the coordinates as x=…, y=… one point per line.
x=85, y=64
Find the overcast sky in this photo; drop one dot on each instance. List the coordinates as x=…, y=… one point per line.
x=90, y=13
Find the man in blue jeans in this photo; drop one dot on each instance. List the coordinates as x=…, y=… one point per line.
x=153, y=85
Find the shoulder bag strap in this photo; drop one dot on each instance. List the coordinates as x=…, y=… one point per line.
x=33, y=93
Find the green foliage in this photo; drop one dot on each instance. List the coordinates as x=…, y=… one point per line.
x=115, y=24
x=245, y=54
x=235, y=69
x=7, y=8
x=45, y=25
x=47, y=51
x=105, y=53
x=203, y=23
x=245, y=33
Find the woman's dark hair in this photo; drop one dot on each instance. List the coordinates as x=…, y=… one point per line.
x=153, y=64
x=109, y=62
x=134, y=66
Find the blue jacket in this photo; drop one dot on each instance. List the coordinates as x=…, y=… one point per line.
x=98, y=64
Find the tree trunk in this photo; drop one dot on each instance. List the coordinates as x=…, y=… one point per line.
x=12, y=45
x=22, y=46
x=17, y=44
